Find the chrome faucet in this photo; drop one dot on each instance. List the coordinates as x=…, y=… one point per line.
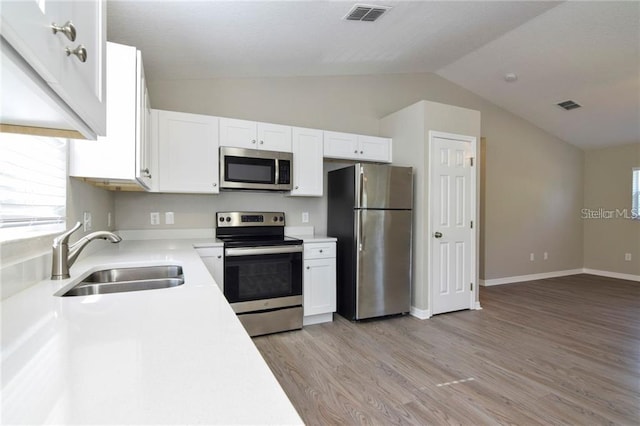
x=65, y=256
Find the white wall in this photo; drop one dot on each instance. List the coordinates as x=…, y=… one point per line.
x=607, y=186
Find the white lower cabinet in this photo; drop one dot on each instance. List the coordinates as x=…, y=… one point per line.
x=213, y=258
x=319, y=282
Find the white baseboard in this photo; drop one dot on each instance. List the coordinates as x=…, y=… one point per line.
x=609, y=274
x=545, y=275
x=530, y=277
x=478, y=307
x=420, y=313
x=317, y=319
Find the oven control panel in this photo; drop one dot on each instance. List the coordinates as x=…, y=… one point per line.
x=239, y=219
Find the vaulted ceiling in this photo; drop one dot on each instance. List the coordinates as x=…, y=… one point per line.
x=585, y=51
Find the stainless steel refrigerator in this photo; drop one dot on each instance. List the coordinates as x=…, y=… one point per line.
x=370, y=213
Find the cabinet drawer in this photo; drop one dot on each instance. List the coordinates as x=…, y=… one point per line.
x=319, y=250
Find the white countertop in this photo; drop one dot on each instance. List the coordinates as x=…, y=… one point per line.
x=176, y=355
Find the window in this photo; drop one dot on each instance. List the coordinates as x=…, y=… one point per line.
x=635, y=194
x=33, y=185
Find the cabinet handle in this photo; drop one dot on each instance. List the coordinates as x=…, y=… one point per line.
x=215, y=184
x=146, y=172
x=296, y=187
x=80, y=52
x=261, y=142
x=219, y=256
x=67, y=29
x=320, y=250
x=355, y=152
x=361, y=152
x=253, y=141
x=308, y=267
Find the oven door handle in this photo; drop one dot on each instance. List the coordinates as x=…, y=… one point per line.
x=253, y=251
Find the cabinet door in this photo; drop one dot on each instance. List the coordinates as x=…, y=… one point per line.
x=274, y=137
x=340, y=145
x=114, y=156
x=307, y=162
x=213, y=258
x=81, y=84
x=187, y=152
x=144, y=172
x=26, y=27
x=238, y=133
x=319, y=291
x=372, y=148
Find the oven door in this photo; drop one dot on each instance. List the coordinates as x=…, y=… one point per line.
x=261, y=278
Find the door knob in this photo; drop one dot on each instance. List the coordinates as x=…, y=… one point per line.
x=438, y=235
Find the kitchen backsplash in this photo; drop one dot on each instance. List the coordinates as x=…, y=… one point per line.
x=198, y=211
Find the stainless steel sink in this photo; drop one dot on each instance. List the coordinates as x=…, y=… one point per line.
x=118, y=280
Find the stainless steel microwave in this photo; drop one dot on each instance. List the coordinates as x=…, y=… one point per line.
x=255, y=169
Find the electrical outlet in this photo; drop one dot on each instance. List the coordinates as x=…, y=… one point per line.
x=86, y=221
x=532, y=257
x=168, y=218
x=109, y=220
x=155, y=218
x=305, y=217
x=545, y=255
x=627, y=257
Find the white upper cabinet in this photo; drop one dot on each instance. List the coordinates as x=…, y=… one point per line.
x=254, y=135
x=357, y=147
x=373, y=148
x=187, y=147
x=307, y=162
x=66, y=68
x=121, y=159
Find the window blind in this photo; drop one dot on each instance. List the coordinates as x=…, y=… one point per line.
x=33, y=185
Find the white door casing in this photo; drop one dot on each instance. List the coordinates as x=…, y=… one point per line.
x=452, y=201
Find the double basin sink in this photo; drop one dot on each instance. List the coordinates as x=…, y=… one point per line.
x=118, y=280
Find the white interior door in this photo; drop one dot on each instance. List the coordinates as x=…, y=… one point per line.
x=452, y=207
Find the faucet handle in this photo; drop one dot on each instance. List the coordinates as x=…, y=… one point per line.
x=64, y=238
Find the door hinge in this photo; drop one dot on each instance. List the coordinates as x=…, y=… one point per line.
x=471, y=286
x=471, y=224
x=471, y=159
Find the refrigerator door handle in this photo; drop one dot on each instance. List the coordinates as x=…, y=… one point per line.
x=361, y=189
x=359, y=235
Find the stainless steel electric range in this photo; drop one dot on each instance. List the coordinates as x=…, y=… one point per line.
x=262, y=271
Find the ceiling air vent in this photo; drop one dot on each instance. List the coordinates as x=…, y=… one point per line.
x=569, y=105
x=363, y=12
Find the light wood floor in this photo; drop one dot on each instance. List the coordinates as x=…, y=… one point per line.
x=556, y=351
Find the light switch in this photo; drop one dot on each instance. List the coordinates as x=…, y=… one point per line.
x=86, y=221
x=155, y=218
x=168, y=218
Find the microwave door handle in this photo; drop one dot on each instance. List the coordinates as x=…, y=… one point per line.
x=277, y=177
